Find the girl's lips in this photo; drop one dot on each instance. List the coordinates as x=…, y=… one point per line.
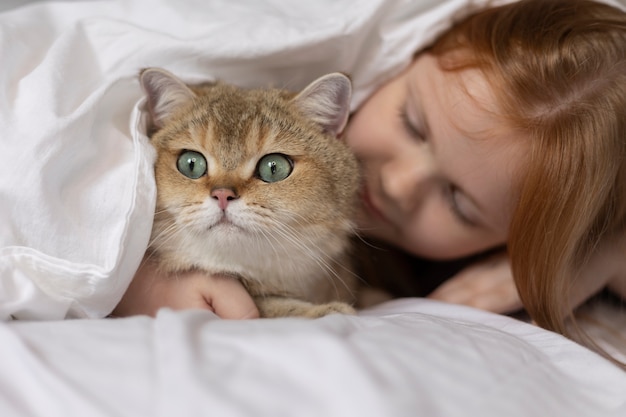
x=371, y=207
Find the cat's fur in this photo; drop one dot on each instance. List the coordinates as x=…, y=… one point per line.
x=288, y=241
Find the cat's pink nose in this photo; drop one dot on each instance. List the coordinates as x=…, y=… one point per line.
x=223, y=196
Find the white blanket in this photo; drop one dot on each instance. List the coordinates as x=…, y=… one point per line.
x=76, y=185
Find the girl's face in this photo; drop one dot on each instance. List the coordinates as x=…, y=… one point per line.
x=438, y=165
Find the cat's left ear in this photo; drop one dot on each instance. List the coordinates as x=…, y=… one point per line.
x=326, y=101
x=166, y=93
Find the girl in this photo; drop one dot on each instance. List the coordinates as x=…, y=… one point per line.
x=508, y=132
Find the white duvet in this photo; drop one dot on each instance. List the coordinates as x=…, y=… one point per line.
x=76, y=185
x=76, y=204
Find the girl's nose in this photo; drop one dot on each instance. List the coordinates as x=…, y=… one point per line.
x=406, y=180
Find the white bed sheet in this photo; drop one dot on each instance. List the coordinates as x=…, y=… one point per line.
x=409, y=357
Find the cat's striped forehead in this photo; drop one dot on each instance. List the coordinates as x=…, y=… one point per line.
x=232, y=126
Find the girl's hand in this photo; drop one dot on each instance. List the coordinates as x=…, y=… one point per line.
x=151, y=290
x=606, y=267
x=487, y=285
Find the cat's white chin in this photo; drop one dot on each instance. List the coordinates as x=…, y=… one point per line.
x=225, y=226
x=267, y=258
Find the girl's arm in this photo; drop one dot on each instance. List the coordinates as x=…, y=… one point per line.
x=489, y=284
x=605, y=268
x=151, y=290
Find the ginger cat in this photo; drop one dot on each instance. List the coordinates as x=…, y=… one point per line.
x=255, y=184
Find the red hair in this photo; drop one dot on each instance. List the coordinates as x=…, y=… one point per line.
x=558, y=69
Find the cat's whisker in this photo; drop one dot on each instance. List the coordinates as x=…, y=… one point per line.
x=164, y=231
x=164, y=237
x=367, y=242
x=272, y=240
x=158, y=212
x=319, y=256
x=273, y=234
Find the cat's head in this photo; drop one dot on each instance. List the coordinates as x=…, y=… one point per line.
x=248, y=172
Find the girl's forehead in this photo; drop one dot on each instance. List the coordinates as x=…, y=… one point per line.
x=466, y=94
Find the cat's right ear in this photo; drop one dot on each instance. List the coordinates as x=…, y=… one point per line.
x=327, y=102
x=165, y=93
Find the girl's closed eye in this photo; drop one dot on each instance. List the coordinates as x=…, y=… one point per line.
x=459, y=204
x=409, y=126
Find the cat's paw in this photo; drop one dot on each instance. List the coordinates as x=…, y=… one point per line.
x=335, y=307
x=274, y=306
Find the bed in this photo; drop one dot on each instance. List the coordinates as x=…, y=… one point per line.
x=76, y=203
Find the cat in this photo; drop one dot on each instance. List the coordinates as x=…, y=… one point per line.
x=255, y=183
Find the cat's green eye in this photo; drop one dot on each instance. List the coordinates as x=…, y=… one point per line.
x=274, y=167
x=191, y=164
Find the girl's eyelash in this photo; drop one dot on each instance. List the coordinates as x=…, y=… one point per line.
x=450, y=190
x=450, y=193
x=408, y=126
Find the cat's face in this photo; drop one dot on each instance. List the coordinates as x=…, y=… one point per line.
x=248, y=173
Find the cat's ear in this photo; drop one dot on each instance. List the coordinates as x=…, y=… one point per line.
x=327, y=101
x=165, y=92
